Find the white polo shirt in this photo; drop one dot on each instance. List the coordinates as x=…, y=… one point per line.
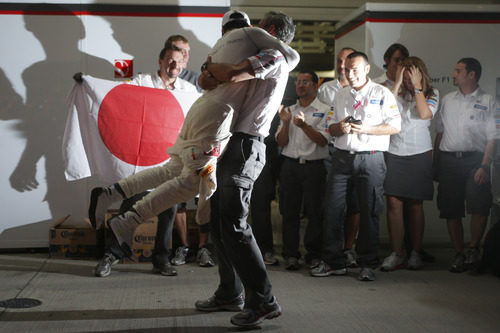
x=155, y=81
x=328, y=90
x=466, y=121
x=373, y=105
x=299, y=144
x=415, y=137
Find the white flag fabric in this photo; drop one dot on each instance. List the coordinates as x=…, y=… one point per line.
x=114, y=129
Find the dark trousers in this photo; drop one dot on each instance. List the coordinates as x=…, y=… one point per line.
x=263, y=193
x=161, y=251
x=240, y=260
x=302, y=182
x=367, y=171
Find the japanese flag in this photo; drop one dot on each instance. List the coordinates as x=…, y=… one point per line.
x=114, y=129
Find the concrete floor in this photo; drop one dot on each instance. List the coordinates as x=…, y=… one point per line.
x=132, y=299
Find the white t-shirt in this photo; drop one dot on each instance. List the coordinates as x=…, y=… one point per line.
x=466, y=121
x=415, y=137
x=328, y=90
x=299, y=144
x=373, y=105
x=155, y=81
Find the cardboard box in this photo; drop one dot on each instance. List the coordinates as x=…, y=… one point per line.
x=74, y=240
x=144, y=239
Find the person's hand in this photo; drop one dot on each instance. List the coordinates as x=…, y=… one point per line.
x=206, y=81
x=345, y=126
x=357, y=128
x=23, y=178
x=285, y=114
x=481, y=176
x=415, y=77
x=299, y=120
x=399, y=75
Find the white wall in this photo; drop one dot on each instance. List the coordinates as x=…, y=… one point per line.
x=40, y=53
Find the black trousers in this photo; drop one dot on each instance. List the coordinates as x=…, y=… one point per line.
x=240, y=261
x=367, y=171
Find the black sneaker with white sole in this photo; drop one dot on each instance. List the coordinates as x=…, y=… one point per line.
x=253, y=317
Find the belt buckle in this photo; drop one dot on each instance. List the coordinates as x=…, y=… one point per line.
x=302, y=161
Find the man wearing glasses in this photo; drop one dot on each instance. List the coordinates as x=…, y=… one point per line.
x=304, y=136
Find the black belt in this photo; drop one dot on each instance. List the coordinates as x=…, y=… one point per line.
x=241, y=135
x=302, y=161
x=462, y=154
x=366, y=152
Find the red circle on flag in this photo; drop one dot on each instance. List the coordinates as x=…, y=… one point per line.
x=138, y=124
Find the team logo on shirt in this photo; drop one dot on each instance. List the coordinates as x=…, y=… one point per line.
x=480, y=107
x=377, y=101
x=318, y=114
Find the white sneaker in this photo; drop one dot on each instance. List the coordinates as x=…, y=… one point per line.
x=204, y=258
x=415, y=261
x=101, y=198
x=123, y=227
x=350, y=258
x=393, y=262
x=180, y=256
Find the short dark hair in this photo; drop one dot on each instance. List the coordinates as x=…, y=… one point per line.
x=472, y=65
x=170, y=47
x=356, y=54
x=283, y=24
x=314, y=76
x=175, y=38
x=393, y=48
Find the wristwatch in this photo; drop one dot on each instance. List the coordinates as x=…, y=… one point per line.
x=418, y=91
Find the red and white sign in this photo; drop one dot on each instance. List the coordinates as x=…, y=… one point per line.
x=124, y=68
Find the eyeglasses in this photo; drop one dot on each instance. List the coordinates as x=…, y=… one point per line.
x=305, y=83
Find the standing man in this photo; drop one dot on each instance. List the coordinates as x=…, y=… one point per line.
x=326, y=94
x=303, y=135
x=171, y=63
x=463, y=148
x=393, y=57
x=366, y=114
x=240, y=260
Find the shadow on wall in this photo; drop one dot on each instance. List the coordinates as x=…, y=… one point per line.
x=41, y=119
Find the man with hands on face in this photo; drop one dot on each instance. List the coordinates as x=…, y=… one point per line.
x=303, y=135
x=358, y=157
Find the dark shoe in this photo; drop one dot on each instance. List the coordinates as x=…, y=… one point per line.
x=180, y=255
x=204, y=258
x=103, y=268
x=253, y=317
x=458, y=265
x=366, y=274
x=292, y=264
x=213, y=304
x=165, y=269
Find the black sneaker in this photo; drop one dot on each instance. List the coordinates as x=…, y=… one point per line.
x=213, y=304
x=103, y=268
x=165, y=269
x=253, y=317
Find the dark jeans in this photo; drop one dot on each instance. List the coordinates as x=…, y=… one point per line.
x=368, y=173
x=240, y=260
x=263, y=193
x=161, y=251
x=302, y=182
